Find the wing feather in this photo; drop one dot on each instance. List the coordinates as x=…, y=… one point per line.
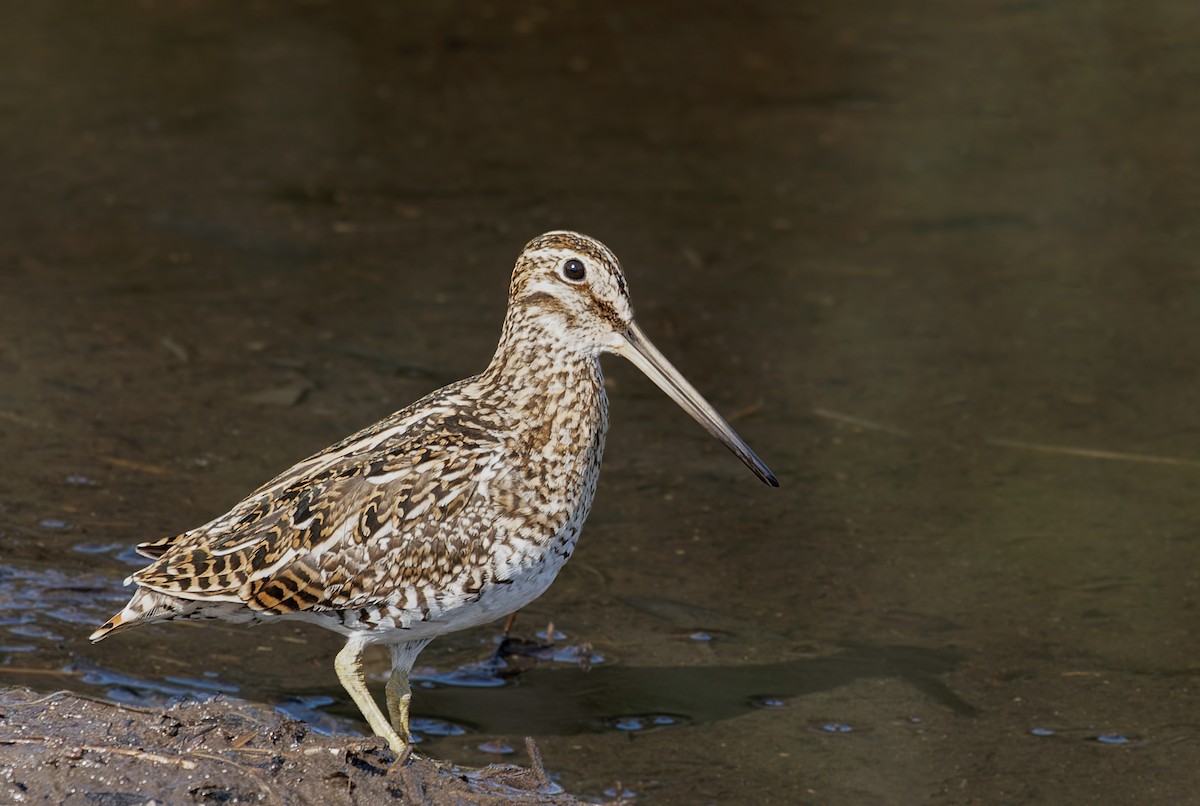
x=381, y=509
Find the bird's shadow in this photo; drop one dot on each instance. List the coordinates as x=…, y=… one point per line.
x=569, y=700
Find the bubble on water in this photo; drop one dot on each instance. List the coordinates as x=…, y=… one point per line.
x=836, y=727
x=1041, y=732
x=1113, y=738
x=633, y=723
x=768, y=701
x=496, y=747
x=436, y=727
x=57, y=524
x=96, y=548
x=624, y=794
x=574, y=654
x=77, y=480
x=701, y=635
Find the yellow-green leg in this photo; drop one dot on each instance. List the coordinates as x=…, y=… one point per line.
x=399, y=695
x=348, y=664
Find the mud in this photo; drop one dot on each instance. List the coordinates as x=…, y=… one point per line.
x=68, y=749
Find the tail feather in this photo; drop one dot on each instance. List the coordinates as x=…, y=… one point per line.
x=153, y=549
x=114, y=624
x=145, y=606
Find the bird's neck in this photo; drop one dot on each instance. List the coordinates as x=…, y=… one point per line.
x=535, y=348
x=553, y=393
x=552, y=399
x=531, y=364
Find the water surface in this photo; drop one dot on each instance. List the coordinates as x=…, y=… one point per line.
x=937, y=262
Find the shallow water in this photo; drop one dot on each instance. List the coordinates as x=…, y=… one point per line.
x=937, y=263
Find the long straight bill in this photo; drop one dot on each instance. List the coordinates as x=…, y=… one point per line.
x=646, y=357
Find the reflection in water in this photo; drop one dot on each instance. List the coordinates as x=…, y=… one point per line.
x=308, y=709
x=565, y=701
x=568, y=701
x=145, y=691
x=33, y=599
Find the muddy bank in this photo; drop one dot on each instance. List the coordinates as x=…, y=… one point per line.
x=70, y=749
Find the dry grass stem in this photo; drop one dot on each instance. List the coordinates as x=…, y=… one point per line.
x=869, y=425
x=130, y=464
x=1093, y=453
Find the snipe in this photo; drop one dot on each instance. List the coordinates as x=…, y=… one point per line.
x=452, y=512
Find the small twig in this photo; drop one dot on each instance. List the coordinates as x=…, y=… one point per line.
x=241, y=741
x=744, y=411
x=141, y=755
x=535, y=759
x=175, y=348
x=402, y=758
x=204, y=730
x=120, y=706
x=264, y=751
x=19, y=419
x=58, y=695
x=214, y=757
x=39, y=701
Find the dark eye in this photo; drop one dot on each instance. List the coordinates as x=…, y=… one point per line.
x=573, y=270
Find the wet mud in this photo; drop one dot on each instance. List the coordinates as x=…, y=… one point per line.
x=935, y=261
x=64, y=748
